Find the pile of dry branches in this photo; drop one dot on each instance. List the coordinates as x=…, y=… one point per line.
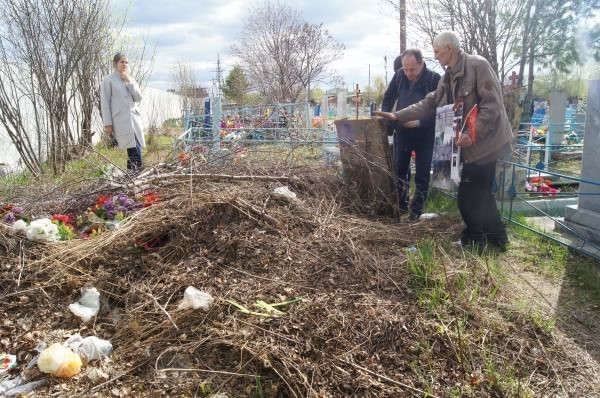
x=360, y=328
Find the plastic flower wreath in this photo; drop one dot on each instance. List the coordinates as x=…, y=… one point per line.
x=65, y=229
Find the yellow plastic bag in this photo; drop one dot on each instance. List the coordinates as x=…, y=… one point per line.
x=59, y=361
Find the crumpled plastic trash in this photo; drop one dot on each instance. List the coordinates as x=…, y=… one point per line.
x=411, y=249
x=59, y=361
x=15, y=388
x=42, y=229
x=194, y=298
x=7, y=362
x=90, y=347
x=428, y=216
x=284, y=193
x=88, y=305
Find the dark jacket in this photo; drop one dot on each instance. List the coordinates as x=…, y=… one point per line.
x=400, y=90
x=473, y=80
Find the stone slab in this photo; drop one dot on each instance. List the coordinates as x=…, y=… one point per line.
x=584, y=222
x=590, y=164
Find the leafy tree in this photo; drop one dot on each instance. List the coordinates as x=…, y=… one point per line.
x=573, y=85
x=551, y=37
x=236, y=85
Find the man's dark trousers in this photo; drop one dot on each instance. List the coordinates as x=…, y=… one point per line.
x=402, y=156
x=477, y=206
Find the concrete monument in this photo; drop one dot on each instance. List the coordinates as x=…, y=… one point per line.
x=584, y=218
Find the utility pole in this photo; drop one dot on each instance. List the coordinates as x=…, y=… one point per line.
x=219, y=76
x=369, y=88
x=402, y=10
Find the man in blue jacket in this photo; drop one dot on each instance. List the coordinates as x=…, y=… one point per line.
x=411, y=84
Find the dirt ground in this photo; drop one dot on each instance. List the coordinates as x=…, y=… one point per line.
x=366, y=315
x=565, y=300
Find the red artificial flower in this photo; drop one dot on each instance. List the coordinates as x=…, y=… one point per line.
x=536, y=180
x=184, y=157
x=150, y=199
x=102, y=200
x=65, y=219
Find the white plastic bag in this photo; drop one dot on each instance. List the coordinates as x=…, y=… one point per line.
x=59, y=361
x=90, y=347
x=428, y=216
x=194, y=298
x=88, y=305
x=284, y=193
x=15, y=388
x=94, y=348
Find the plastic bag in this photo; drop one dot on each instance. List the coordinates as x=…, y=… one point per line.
x=194, y=298
x=59, y=361
x=90, y=347
x=22, y=389
x=7, y=362
x=284, y=193
x=88, y=305
x=428, y=216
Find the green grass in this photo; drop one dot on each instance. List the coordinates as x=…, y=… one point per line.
x=93, y=165
x=537, y=252
x=427, y=274
x=439, y=202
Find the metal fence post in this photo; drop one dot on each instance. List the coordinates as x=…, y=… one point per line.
x=512, y=196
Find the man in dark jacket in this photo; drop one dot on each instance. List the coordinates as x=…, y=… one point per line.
x=471, y=80
x=411, y=84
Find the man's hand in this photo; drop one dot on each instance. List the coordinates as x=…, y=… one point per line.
x=124, y=76
x=412, y=124
x=464, y=141
x=385, y=115
x=108, y=130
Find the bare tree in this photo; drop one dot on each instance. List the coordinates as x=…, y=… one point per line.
x=187, y=86
x=47, y=40
x=13, y=86
x=486, y=27
x=53, y=54
x=283, y=54
x=88, y=74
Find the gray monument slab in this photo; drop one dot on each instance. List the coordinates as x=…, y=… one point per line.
x=590, y=164
x=585, y=217
x=556, y=117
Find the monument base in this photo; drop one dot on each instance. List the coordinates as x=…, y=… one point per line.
x=584, y=222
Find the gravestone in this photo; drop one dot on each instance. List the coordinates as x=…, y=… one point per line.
x=556, y=123
x=342, y=99
x=584, y=218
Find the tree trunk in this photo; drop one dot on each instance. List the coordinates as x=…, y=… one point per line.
x=528, y=104
x=525, y=44
x=493, y=45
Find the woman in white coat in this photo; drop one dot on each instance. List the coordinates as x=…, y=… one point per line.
x=120, y=95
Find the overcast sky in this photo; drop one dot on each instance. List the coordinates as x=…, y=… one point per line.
x=194, y=32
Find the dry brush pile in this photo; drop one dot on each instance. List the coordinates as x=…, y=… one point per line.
x=373, y=319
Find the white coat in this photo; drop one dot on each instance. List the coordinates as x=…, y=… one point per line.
x=118, y=105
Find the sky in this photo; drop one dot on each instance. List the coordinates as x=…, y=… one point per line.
x=195, y=33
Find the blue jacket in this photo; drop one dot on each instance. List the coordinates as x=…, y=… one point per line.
x=400, y=90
